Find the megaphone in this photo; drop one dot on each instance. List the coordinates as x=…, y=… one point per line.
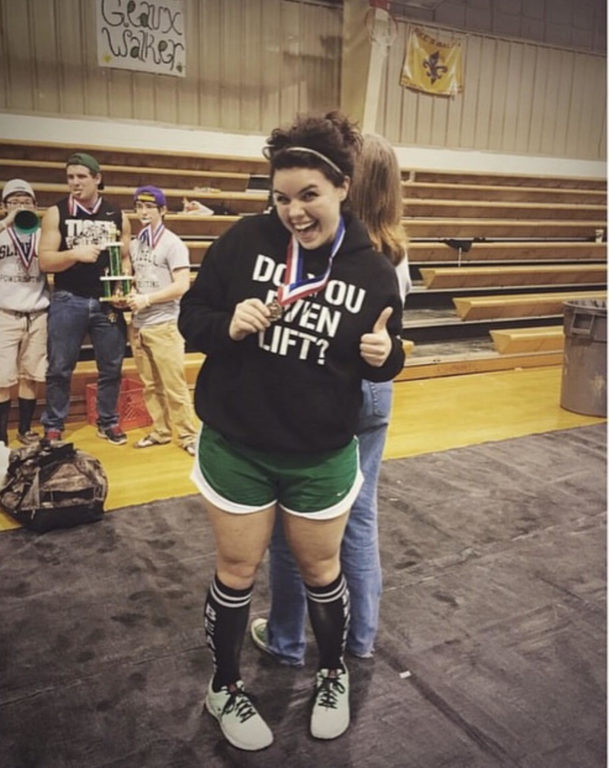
x=26, y=222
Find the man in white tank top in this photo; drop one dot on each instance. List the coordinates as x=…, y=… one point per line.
x=24, y=301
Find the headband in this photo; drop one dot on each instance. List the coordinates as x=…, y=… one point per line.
x=267, y=153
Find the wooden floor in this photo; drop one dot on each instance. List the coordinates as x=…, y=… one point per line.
x=429, y=415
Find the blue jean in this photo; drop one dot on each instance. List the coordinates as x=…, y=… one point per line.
x=360, y=556
x=71, y=317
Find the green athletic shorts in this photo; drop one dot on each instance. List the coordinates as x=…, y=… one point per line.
x=241, y=480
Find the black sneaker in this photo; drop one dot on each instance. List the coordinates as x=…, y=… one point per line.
x=114, y=435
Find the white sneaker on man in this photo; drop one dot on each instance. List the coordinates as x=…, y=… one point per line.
x=239, y=720
x=330, y=715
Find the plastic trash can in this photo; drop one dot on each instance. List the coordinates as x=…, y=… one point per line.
x=584, y=373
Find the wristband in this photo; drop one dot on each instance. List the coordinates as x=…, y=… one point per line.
x=147, y=298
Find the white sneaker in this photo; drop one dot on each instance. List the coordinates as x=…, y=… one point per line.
x=330, y=715
x=238, y=718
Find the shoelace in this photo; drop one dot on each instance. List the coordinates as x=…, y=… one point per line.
x=239, y=701
x=328, y=691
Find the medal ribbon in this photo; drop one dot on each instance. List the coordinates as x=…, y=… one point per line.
x=150, y=238
x=25, y=248
x=294, y=287
x=75, y=206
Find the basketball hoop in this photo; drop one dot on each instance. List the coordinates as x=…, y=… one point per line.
x=382, y=27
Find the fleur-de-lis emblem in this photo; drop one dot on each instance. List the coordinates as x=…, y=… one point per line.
x=434, y=70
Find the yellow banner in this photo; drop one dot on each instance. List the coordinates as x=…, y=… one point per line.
x=431, y=66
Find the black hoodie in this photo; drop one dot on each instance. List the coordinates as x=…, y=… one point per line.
x=295, y=387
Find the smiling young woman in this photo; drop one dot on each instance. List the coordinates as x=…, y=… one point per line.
x=308, y=204
x=293, y=309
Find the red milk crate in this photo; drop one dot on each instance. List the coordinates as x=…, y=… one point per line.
x=132, y=411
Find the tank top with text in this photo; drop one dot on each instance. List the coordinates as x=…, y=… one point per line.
x=81, y=227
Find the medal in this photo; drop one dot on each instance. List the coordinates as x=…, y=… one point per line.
x=276, y=310
x=24, y=247
x=294, y=286
x=149, y=237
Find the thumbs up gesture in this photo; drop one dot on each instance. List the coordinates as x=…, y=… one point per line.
x=375, y=347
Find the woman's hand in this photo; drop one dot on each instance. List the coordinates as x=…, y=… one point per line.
x=250, y=316
x=375, y=347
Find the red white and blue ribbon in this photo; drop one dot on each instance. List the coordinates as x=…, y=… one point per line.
x=75, y=206
x=294, y=287
x=149, y=237
x=25, y=248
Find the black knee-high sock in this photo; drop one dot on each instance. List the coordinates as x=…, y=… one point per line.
x=329, y=615
x=26, y=411
x=226, y=614
x=4, y=410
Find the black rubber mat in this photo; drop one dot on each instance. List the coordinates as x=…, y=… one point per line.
x=491, y=650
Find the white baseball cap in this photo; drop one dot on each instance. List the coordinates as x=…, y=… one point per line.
x=17, y=185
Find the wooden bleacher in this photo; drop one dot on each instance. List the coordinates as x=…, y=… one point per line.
x=501, y=229
x=492, y=178
x=497, y=209
x=494, y=257
x=197, y=250
x=502, y=276
x=519, y=304
x=508, y=251
x=528, y=243
x=192, y=225
x=53, y=172
x=132, y=157
x=230, y=203
x=549, y=338
x=414, y=190
x=86, y=373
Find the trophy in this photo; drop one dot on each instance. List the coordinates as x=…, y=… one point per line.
x=116, y=284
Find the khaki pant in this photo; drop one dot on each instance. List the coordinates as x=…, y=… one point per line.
x=23, y=346
x=158, y=352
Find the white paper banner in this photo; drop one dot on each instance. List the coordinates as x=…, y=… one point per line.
x=145, y=36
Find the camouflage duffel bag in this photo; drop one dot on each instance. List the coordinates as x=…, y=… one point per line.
x=53, y=486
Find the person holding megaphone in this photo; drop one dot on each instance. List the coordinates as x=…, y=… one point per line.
x=24, y=302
